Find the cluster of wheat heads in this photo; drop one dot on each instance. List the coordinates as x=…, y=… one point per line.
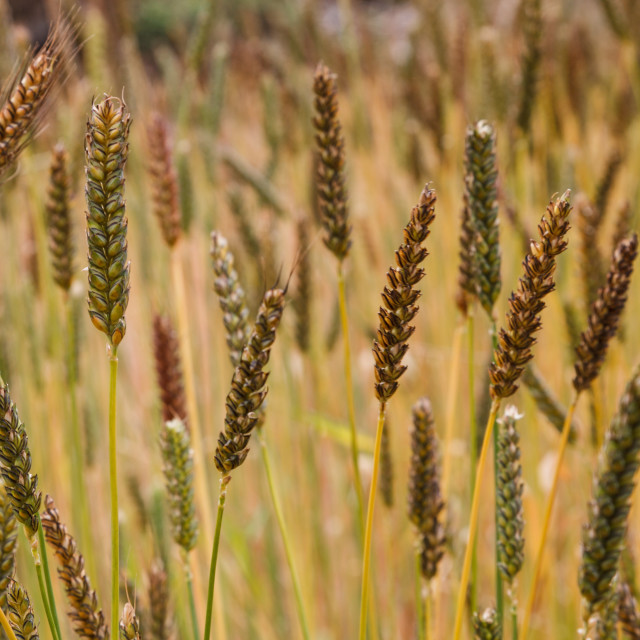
x=304, y=552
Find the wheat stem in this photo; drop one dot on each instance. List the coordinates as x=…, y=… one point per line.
x=6, y=626
x=113, y=481
x=192, y=603
x=224, y=481
x=350, y=401
x=420, y=611
x=473, y=427
x=285, y=537
x=81, y=503
x=566, y=429
x=366, y=560
x=427, y=613
x=35, y=552
x=473, y=519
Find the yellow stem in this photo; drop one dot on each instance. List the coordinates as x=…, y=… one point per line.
x=566, y=430
x=6, y=626
x=366, y=561
x=473, y=519
x=202, y=488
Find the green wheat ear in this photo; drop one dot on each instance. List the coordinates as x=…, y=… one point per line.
x=106, y=150
x=487, y=626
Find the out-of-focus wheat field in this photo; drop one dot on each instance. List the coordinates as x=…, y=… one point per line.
x=234, y=81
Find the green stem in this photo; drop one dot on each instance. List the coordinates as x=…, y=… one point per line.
x=514, y=621
x=35, y=553
x=350, y=401
x=224, y=481
x=47, y=577
x=285, y=537
x=473, y=425
x=427, y=612
x=192, y=602
x=79, y=489
x=113, y=481
x=496, y=433
x=366, y=561
x=6, y=626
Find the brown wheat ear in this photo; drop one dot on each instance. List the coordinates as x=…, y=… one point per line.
x=27, y=99
x=86, y=615
x=399, y=298
x=166, y=351
x=248, y=389
x=59, y=218
x=332, y=193
x=527, y=302
x=605, y=314
x=164, y=180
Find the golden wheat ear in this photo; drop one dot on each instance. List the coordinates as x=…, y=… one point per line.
x=30, y=90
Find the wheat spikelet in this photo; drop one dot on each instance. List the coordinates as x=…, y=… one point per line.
x=58, y=218
x=85, y=613
x=628, y=613
x=159, y=602
x=509, y=487
x=106, y=150
x=166, y=351
x=605, y=314
x=164, y=180
x=332, y=193
x=248, y=389
x=177, y=456
x=399, y=298
x=8, y=546
x=604, y=534
x=487, y=626
x=20, y=614
x=27, y=99
x=606, y=627
x=21, y=486
x=466, y=269
x=481, y=203
x=129, y=624
x=526, y=303
x=425, y=501
x=231, y=296
x=302, y=296
x=532, y=18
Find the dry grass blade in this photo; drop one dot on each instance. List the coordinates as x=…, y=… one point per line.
x=526, y=303
x=605, y=314
x=85, y=613
x=25, y=101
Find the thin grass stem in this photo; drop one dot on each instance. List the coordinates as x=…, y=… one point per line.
x=113, y=481
x=192, y=603
x=427, y=612
x=420, y=614
x=6, y=626
x=496, y=433
x=35, y=552
x=566, y=429
x=224, y=481
x=350, y=401
x=366, y=561
x=285, y=538
x=473, y=426
x=81, y=501
x=473, y=520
